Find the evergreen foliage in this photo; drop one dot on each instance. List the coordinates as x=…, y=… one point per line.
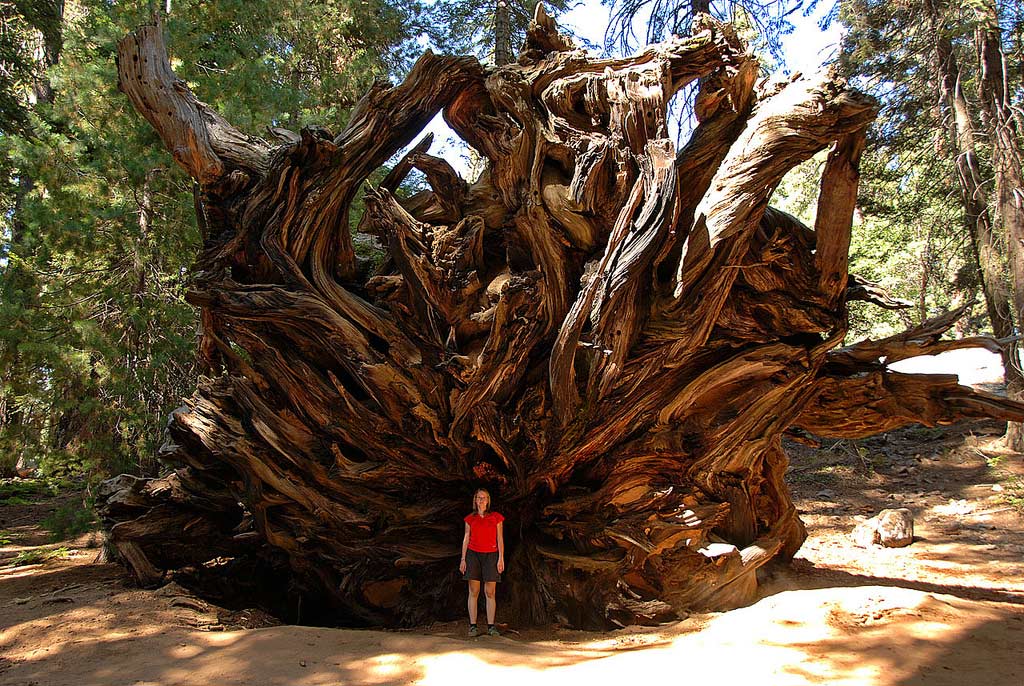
x=467, y=27
x=912, y=234
x=27, y=27
x=98, y=227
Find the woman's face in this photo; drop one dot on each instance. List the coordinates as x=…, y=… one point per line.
x=482, y=501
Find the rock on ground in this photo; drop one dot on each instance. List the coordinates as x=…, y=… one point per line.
x=889, y=528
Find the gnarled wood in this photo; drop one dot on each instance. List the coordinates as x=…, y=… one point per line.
x=609, y=334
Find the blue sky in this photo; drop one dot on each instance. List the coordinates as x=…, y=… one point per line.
x=805, y=49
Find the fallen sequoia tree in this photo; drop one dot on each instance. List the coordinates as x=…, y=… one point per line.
x=610, y=334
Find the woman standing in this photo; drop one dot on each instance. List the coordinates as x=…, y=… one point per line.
x=483, y=557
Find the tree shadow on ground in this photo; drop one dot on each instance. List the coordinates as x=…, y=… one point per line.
x=805, y=575
x=153, y=652
x=831, y=631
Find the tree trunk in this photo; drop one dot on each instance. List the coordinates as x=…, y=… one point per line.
x=502, y=34
x=47, y=41
x=610, y=335
x=1009, y=174
x=964, y=146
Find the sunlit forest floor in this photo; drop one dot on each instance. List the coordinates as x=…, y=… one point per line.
x=949, y=606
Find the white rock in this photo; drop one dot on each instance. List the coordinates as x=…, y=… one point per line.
x=890, y=528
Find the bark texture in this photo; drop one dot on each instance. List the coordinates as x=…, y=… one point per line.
x=974, y=197
x=610, y=334
x=1008, y=166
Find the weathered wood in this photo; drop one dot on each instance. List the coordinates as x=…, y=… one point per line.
x=200, y=140
x=145, y=573
x=609, y=334
x=836, y=203
x=923, y=339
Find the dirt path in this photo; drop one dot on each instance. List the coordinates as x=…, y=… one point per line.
x=947, y=608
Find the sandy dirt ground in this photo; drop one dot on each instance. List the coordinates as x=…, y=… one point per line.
x=948, y=609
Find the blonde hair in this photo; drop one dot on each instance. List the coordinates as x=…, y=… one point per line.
x=485, y=492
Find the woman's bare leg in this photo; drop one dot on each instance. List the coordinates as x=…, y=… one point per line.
x=474, y=595
x=489, y=588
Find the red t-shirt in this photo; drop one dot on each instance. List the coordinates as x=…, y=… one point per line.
x=483, y=531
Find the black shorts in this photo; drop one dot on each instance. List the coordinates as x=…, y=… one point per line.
x=481, y=566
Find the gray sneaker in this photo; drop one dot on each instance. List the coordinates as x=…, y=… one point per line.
x=493, y=631
x=473, y=631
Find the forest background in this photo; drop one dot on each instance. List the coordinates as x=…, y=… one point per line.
x=98, y=228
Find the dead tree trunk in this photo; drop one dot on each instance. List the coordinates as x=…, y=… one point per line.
x=610, y=334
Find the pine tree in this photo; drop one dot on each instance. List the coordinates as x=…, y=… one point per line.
x=96, y=339
x=491, y=29
x=925, y=62
x=1004, y=131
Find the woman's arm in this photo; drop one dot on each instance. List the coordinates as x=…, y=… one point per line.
x=465, y=545
x=501, y=547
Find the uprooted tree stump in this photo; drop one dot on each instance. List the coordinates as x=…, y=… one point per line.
x=610, y=334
